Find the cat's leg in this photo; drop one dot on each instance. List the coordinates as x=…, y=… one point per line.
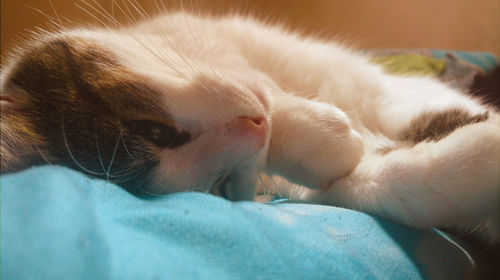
x=312, y=143
x=450, y=183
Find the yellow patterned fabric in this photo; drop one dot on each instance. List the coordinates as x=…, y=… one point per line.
x=411, y=64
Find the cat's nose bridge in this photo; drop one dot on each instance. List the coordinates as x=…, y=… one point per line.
x=230, y=97
x=243, y=103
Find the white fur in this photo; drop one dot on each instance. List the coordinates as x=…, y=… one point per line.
x=328, y=110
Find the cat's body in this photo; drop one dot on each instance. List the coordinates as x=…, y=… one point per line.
x=185, y=103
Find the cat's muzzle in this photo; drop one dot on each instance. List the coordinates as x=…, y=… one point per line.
x=220, y=187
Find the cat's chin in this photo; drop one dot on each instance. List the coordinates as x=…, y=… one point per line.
x=236, y=186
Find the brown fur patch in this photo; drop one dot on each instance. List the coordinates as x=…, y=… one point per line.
x=81, y=100
x=433, y=126
x=83, y=71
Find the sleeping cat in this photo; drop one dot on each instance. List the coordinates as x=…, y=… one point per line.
x=184, y=103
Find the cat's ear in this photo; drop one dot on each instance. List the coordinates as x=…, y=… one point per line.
x=14, y=98
x=20, y=144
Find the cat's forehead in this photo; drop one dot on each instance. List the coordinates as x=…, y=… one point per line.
x=177, y=53
x=82, y=70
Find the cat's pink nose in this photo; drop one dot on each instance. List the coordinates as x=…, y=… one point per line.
x=257, y=123
x=254, y=127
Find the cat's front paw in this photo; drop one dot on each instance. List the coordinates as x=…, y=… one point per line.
x=313, y=144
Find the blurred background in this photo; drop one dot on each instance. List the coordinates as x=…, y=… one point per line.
x=444, y=24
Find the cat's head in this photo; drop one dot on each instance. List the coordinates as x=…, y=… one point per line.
x=147, y=112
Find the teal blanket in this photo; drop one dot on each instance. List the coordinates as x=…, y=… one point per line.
x=59, y=224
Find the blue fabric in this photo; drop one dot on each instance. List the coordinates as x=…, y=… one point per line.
x=485, y=60
x=60, y=224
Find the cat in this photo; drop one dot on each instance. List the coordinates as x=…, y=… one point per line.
x=190, y=103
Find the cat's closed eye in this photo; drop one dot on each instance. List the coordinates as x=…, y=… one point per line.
x=159, y=134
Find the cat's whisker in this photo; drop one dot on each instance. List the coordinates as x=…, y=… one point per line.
x=176, y=50
x=132, y=16
x=123, y=12
x=154, y=183
x=39, y=31
x=189, y=28
x=265, y=188
x=147, y=192
x=113, y=156
x=127, y=169
x=159, y=52
x=124, y=143
x=160, y=10
x=138, y=7
x=127, y=173
x=52, y=20
x=55, y=12
x=92, y=15
x=68, y=149
x=132, y=169
x=99, y=156
x=42, y=154
x=163, y=5
x=195, y=39
x=103, y=12
x=113, y=9
x=165, y=62
x=473, y=230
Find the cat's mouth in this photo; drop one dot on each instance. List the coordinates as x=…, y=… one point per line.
x=220, y=187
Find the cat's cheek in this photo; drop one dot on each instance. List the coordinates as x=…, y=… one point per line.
x=236, y=149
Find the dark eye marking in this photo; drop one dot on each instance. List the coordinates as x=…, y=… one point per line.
x=161, y=135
